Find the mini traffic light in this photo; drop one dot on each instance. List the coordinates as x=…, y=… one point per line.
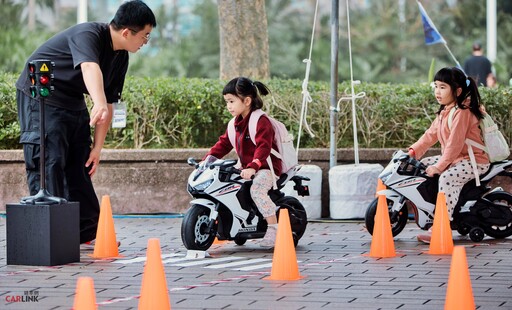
x=41, y=77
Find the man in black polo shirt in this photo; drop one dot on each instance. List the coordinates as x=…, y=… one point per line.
x=90, y=58
x=478, y=66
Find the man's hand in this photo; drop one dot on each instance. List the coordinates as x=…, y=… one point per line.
x=94, y=159
x=99, y=114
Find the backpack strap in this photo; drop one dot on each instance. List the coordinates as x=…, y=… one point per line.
x=470, y=143
x=232, y=133
x=253, y=124
x=450, y=117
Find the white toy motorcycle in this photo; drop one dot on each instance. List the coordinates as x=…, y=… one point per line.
x=480, y=210
x=222, y=206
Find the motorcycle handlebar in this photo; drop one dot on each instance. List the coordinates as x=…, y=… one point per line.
x=226, y=166
x=234, y=170
x=418, y=166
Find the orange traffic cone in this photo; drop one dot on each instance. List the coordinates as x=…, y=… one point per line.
x=217, y=241
x=441, y=241
x=459, y=294
x=284, y=262
x=85, y=297
x=380, y=186
x=153, y=292
x=106, y=244
x=383, y=244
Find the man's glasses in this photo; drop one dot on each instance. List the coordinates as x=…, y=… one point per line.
x=146, y=38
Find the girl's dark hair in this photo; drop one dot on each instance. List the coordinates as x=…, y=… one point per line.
x=243, y=87
x=456, y=78
x=133, y=14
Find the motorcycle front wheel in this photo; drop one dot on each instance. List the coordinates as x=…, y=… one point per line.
x=195, y=233
x=397, y=225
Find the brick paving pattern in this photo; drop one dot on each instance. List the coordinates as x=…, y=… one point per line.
x=331, y=257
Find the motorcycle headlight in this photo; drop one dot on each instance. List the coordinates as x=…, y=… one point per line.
x=204, y=185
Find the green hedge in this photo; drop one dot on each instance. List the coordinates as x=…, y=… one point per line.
x=190, y=113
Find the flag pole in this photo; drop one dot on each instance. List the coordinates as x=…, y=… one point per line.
x=333, y=117
x=454, y=59
x=432, y=35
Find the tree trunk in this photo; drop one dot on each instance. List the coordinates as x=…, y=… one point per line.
x=243, y=39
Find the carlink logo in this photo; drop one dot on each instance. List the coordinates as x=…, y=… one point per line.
x=28, y=296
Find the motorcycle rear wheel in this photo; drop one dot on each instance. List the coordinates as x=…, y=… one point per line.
x=240, y=241
x=499, y=232
x=396, y=226
x=195, y=234
x=297, y=214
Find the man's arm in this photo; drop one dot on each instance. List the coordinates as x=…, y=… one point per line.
x=93, y=79
x=100, y=132
x=101, y=112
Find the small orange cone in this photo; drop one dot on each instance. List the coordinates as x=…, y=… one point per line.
x=154, y=293
x=383, y=244
x=217, y=241
x=380, y=186
x=459, y=294
x=106, y=243
x=85, y=297
x=441, y=241
x=284, y=262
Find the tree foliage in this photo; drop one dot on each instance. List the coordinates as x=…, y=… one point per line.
x=386, y=38
x=166, y=112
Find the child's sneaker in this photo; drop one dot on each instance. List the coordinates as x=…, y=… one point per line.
x=425, y=238
x=269, y=240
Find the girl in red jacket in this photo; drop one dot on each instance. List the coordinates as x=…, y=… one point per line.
x=457, y=119
x=243, y=96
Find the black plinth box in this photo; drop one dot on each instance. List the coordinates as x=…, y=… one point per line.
x=43, y=235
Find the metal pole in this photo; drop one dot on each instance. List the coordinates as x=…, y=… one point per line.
x=334, y=81
x=42, y=147
x=43, y=197
x=491, y=30
x=81, y=12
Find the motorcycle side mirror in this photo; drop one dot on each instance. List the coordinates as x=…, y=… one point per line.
x=191, y=161
x=402, y=158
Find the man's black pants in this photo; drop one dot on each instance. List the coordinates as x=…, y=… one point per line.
x=68, y=145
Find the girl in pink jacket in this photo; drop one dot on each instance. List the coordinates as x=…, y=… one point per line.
x=457, y=119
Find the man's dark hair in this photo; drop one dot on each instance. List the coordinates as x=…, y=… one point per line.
x=133, y=14
x=477, y=46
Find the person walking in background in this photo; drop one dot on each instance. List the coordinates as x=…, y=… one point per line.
x=90, y=58
x=479, y=67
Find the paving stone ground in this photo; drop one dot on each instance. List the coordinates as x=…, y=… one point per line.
x=332, y=257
